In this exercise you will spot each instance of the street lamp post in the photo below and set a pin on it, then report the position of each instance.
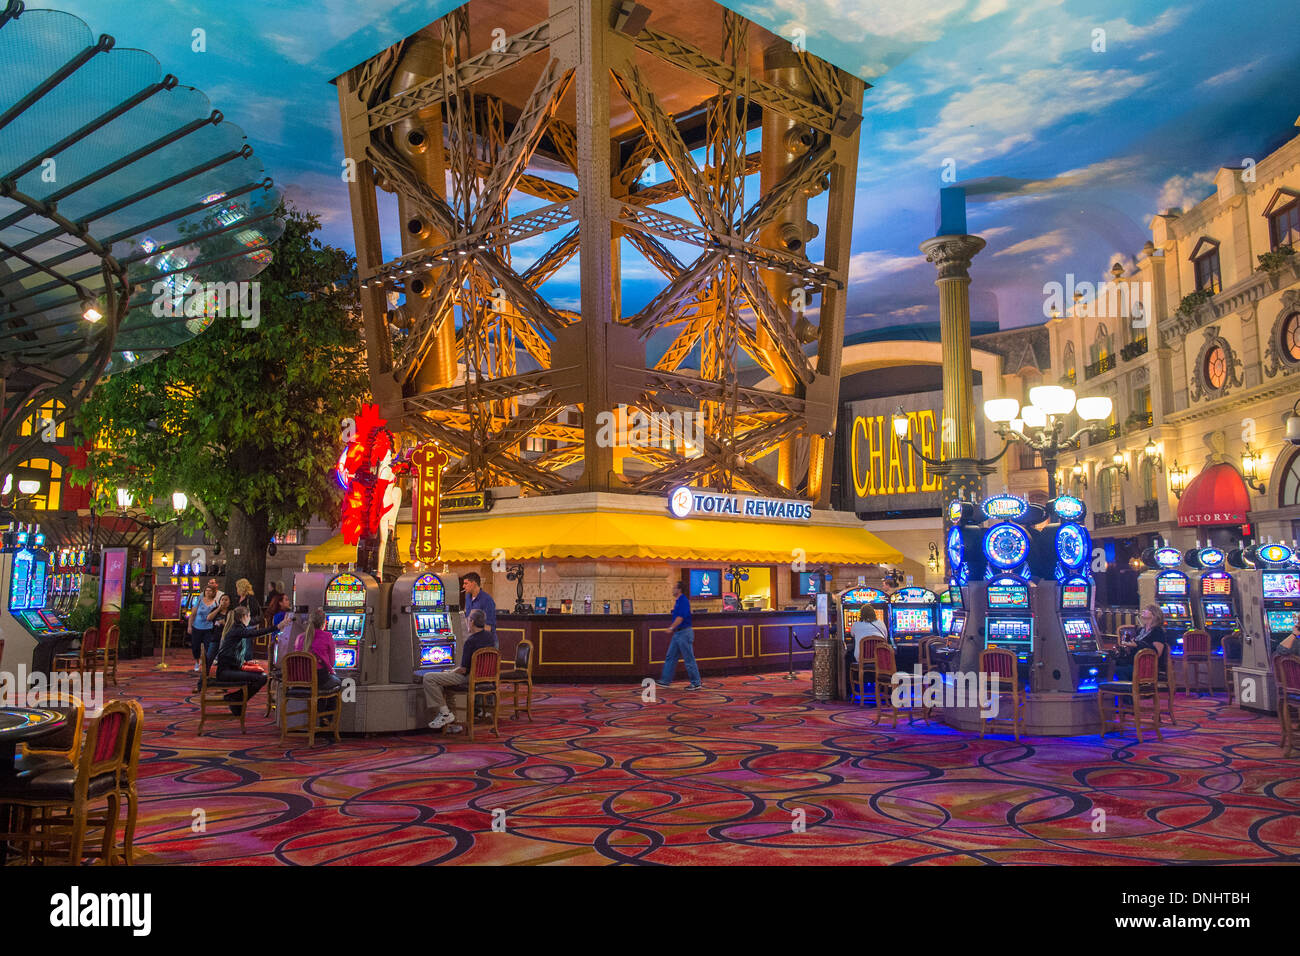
(151, 524)
(1040, 425)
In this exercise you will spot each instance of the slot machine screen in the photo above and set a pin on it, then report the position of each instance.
(1281, 584)
(1217, 610)
(945, 619)
(21, 581)
(434, 655)
(34, 620)
(912, 620)
(1171, 585)
(52, 620)
(1282, 620)
(958, 622)
(1217, 586)
(427, 591)
(346, 590)
(1074, 596)
(1077, 628)
(1008, 597)
(345, 657)
(431, 623)
(1174, 610)
(1012, 633)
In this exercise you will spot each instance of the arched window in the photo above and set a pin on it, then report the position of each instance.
(1150, 480)
(42, 418)
(1068, 363)
(50, 500)
(1102, 344)
(1110, 491)
(1290, 494)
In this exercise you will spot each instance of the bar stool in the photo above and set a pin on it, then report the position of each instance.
(1196, 653)
(1286, 670)
(865, 668)
(999, 661)
(1128, 697)
(885, 665)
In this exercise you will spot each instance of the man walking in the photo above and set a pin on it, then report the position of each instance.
(477, 598)
(434, 696)
(682, 644)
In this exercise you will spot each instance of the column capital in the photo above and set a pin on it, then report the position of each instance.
(951, 255)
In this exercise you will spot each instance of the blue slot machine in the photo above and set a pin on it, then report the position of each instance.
(952, 612)
(1172, 592)
(1008, 620)
(913, 615)
(431, 623)
(346, 618)
(31, 636)
(1008, 623)
(1217, 605)
(1270, 604)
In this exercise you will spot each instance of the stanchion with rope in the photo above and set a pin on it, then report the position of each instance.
(789, 656)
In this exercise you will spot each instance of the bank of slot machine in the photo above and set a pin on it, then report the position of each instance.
(346, 618)
(913, 615)
(853, 600)
(1270, 606)
(1169, 588)
(952, 613)
(1217, 607)
(27, 622)
(435, 642)
(1008, 624)
(1080, 636)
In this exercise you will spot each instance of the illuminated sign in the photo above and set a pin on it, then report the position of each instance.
(955, 511)
(1168, 557)
(685, 502)
(426, 473)
(1210, 557)
(1068, 508)
(1275, 553)
(469, 501)
(1005, 506)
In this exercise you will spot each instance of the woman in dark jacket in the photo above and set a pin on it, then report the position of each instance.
(230, 661)
(1150, 638)
(248, 600)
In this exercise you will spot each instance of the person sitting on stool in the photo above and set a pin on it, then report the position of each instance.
(230, 658)
(320, 643)
(1150, 638)
(479, 637)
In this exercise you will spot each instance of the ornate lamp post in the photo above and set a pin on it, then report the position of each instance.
(1040, 425)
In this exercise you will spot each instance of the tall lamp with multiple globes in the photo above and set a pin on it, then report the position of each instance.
(1040, 425)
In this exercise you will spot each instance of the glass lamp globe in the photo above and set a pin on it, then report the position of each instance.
(1094, 409)
(1052, 399)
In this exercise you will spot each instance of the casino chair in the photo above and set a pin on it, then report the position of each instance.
(299, 681)
(1122, 698)
(66, 795)
(864, 670)
(63, 745)
(1000, 661)
(928, 663)
(1169, 684)
(481, 691)
(1286, 671)
(1196, 651)
(84, 659)
(882, 683)
(212, 697)
(107, 654)
(521, 673)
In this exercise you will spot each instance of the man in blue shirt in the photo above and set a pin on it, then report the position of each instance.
(682, 644)
(476, 597)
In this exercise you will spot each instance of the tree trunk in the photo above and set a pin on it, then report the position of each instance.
(246, 540)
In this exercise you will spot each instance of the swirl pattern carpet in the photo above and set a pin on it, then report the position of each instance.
(749, 771)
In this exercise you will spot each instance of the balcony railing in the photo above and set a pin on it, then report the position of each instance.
(1134, 349)
(1104, 364)
(1147, 511)
(1108, 519)
(1101, 433)
(1135, 423)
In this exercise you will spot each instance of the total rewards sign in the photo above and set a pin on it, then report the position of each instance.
(685, 502)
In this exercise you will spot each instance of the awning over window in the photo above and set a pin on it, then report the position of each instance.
(525, 537)
(1217, 496)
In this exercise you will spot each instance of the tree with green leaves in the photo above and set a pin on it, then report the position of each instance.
(245, 418)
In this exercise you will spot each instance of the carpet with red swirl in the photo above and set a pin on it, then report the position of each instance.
(749, 771)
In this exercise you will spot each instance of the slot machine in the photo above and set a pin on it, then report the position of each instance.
(24, 567)
(1004, 597)
(952, 612)
(1165, 585)
(1075, 610)
(853, 600)
(423, 635)
(1216, 605)
(1270, 603)
(1008, 623)
(347, 617)
(913, 615)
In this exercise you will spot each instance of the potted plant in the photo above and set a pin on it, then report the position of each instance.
(1193, 301)
(1273, 260)
(133, 618)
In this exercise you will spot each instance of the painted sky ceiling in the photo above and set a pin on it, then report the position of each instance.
(1067, 149)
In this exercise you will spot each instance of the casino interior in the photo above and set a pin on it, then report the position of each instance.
(897, 621)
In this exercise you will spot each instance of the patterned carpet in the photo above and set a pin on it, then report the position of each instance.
(714, 777)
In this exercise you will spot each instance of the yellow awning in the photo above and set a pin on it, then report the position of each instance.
(526, 537)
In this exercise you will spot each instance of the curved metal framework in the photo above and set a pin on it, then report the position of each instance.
(496, 125)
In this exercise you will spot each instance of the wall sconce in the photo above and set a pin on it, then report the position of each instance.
(1080, 475)
(933, 563)
(1152, 454)
(1177, 479)
(1252, 463)
(1136, 564)
(1120, 462)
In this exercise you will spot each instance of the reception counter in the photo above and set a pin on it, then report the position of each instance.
(586, 647)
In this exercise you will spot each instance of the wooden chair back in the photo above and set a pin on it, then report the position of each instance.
(1286, 670)
(484, 665)
(108, 741)
(524, 656)
(867, 650)
(1146, 665)
(1196, 646)
(886, 665)
(298, 671)
(65, 743)
(1000, 661)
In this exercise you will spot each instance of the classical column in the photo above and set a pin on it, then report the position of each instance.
(952, 256)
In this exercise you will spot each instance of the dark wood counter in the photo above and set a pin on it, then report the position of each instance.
(632, 646)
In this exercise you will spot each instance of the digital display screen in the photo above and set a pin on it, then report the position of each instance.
(1217, 610)
(1282, 620)
(810, 582)
(427, 591)
(945, 620)
(1174, 610)
(860, 596)
(1077, 627)
(1013, 631)
(1281, 584)
(1219, 584)
(958, 622)
(346, 590)
(1015, 596)
(1074, 596)
(912, 620)
(704, 582)
(539, 605)
(345, 625)
(432, 655)
(53, 620)
(345, 657)
(33, 620)
(21, 582)
(431, 623)
(1171, 585)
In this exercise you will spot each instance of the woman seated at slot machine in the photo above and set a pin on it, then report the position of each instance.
(1150, 637)
(319, 642)
(230, 661)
